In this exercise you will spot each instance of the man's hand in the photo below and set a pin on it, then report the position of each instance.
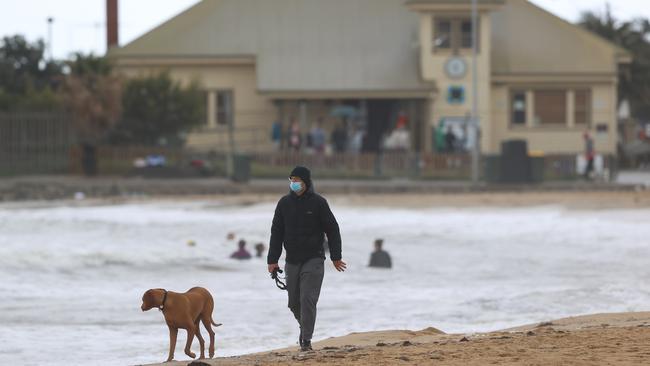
(273, 267)
(340, 265)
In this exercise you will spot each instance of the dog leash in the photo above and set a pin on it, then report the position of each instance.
(278, 281)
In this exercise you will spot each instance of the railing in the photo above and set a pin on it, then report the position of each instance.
(34, 143)
(365, 165)
(58, 158)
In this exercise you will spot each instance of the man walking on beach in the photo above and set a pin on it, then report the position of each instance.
(301, 219)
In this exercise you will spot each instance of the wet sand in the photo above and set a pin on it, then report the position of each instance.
(602, 339)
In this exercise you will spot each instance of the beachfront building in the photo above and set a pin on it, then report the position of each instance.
(369, 66)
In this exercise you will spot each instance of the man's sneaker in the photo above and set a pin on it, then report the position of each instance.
(305, 346)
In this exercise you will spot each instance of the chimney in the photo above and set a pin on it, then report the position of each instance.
(111, 24)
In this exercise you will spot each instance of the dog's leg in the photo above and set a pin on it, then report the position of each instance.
(207, 320)
(173, 332)
(190, 337)
(200, 338)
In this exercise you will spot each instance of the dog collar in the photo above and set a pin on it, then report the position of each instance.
(162, 306)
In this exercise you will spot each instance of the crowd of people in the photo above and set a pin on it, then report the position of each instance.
(344, 136)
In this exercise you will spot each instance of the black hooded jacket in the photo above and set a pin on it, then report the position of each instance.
(299, 223)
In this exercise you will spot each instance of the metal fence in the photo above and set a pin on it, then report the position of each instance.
(365, 165)
(121, 161)
(44, 143)
(35, 143)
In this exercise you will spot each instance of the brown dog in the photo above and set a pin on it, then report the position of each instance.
(184, 311)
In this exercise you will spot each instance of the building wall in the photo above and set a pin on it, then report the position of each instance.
(534, 49)
(511, 53)
(433, 69)
(566, 139)
(253, 113)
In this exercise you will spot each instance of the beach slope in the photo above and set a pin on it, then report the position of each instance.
(601, 339)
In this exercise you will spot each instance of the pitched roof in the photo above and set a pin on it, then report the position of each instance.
(299, 45)
(362, 45)
(527, 39)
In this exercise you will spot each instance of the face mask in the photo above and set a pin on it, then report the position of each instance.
(295, 186)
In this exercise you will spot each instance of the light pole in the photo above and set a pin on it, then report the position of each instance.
(50, 21)
(475, 117)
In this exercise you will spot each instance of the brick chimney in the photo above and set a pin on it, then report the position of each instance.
(112, 39)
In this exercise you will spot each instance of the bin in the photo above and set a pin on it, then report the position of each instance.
(492, 173)
(537, 169)
(241, 168)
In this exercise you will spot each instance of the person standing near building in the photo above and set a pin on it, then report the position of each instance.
(339, 138)
(450, 140)
(589, 155)
(302, 218)
(276, 135)
(318, 138)
(295, 136)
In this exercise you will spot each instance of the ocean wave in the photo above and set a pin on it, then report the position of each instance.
(36, 261)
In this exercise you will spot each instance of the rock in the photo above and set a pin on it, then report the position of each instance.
(198, 363)
(406, 344)
(530, 333)
(381, 344)
(404, 358)
(464, 339)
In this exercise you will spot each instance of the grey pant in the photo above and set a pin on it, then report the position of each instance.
(303, 286)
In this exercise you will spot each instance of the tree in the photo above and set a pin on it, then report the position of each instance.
(27, 80)
(158, 111)
(634, 36)
(92, 95)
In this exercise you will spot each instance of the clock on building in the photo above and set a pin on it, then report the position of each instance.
(456, 67)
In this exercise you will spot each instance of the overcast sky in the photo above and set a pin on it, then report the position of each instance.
(79, 25)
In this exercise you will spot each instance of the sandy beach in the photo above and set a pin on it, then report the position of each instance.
(601, 339)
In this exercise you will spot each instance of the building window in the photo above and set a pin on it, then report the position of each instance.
(442, 37)
(452, 34)
(518, 107)
(224, 104)
(550, 107)
(466, 34)
(582, 108)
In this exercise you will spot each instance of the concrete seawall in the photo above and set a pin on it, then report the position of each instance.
(65, 187)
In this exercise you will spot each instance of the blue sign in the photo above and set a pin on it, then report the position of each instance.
(456, 95)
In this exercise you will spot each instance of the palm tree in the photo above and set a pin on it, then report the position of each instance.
(634, 36)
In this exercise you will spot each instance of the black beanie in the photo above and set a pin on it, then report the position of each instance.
(302, 173)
